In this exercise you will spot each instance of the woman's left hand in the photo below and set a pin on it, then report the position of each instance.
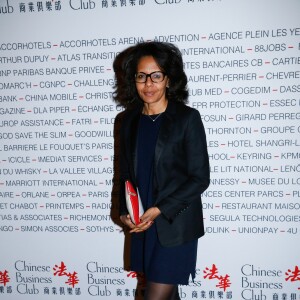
(147, 219)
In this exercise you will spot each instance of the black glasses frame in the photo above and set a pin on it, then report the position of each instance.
(149, 75)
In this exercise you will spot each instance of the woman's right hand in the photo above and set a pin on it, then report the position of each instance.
(126, 220)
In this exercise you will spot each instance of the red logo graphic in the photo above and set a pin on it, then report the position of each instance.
(61, 270)
(293, 275)
(4, 278)
(139, 276)
(224, 281)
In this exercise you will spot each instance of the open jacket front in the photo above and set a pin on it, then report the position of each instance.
(181, 171)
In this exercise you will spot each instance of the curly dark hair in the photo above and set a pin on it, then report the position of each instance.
(169, 59)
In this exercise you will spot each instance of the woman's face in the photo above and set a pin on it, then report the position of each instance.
(151, 92)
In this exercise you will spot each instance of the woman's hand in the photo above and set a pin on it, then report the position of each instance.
(147, 220)
(126, 220)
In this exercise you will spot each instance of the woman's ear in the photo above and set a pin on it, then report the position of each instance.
(167, 85)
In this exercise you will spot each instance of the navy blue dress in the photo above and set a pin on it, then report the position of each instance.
(169, 265)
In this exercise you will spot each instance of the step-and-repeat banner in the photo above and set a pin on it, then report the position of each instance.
(59, 231)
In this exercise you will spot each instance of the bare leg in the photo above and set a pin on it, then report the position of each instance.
(161, 291)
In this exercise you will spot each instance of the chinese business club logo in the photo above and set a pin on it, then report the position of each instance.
(140, 278)
(40, 6)
(38, 282)
(4, 280)
(61, 271)
(293, 275)
(4, 277)
(213, 273)
(31, 6)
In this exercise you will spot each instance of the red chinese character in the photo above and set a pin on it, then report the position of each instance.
(140, 276)
(224, 282)
(211, 273)
(72, 279)
(132, 274)
(295, 274)
(60, 270)
(4, 278)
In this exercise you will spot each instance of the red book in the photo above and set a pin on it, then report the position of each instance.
(133, 202)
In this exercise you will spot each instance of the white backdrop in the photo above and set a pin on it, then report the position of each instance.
(58, 227)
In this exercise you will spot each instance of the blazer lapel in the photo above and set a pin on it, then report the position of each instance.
(165, 131)
(133, 142)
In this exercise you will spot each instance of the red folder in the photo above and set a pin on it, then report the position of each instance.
(133, 202)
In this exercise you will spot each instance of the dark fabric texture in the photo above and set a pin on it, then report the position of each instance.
(169, 265)
(180, 171)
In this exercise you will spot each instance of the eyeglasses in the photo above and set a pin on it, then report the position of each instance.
(156, 77)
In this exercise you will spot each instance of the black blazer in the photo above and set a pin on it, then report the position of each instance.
(181, 171)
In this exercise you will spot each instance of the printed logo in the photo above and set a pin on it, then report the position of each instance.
(224, 281)
(293, 275)
(139, 276)
(61, 271)
(4, 278)
(39, 6)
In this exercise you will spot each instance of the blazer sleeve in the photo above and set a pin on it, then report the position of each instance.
(124, 171)
(196, 170)
(127, 154)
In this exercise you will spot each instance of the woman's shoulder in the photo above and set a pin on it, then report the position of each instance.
(128, 117)
(185, 110)
(131, 112)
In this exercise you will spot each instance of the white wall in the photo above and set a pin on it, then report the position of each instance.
(57, 147)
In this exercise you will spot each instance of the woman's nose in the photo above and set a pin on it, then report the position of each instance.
(148, 81)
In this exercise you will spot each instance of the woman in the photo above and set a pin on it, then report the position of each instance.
(163, 153)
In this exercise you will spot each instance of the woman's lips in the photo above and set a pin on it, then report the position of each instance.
(149, 94)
